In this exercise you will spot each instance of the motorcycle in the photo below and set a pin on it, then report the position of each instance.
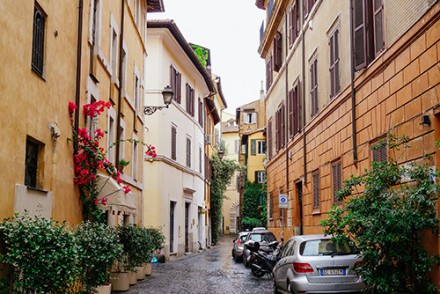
(263, 259)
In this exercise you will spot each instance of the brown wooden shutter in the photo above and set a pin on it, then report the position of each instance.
(378, 26)
(277, 53)
(269, 138)
(291, 107)
(297, 114)
(290, 26)
(314, 86)
(179, 88)
(337, 181)
(187, 95)
(173, 142)
(172, 80)
(283, 125)
(316, 197)
(188, 152)
(360, 34)
(337, 79)
(332, 66)
(277, 130)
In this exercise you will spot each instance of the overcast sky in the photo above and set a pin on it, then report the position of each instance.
(230, 29)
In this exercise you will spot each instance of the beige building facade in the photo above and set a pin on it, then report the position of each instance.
(80, 52)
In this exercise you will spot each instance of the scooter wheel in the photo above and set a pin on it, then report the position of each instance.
(257, 273)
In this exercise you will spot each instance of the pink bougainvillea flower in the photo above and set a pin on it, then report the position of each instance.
(104, 201)
(99, 134)
(72, 107)
(126, 189)
(96, 201)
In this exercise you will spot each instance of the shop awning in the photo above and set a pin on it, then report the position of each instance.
(117, 199)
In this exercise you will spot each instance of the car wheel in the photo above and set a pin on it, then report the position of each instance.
(289, 288)
(275, 288)
(233, 253)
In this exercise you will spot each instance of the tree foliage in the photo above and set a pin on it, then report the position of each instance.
(222, 172)
(253, 207)
(387, 221)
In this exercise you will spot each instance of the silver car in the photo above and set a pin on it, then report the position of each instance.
(237, 248)
(314, 264)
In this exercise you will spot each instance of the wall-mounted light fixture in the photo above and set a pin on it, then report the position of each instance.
(167, 94)
(426, 121)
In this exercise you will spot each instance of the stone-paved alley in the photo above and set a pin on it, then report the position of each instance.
(210, 272)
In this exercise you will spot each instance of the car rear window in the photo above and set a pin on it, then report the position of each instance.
(325, 247)
(267, 237)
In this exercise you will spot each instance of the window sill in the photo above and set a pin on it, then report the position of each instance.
(36, 189)
(316, 211)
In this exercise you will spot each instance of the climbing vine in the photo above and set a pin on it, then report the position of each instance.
(222, 172)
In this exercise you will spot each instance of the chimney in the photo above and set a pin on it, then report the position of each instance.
(262, 92)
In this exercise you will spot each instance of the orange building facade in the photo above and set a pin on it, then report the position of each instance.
(315, 142)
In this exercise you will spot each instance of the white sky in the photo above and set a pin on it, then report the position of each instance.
(231, 30)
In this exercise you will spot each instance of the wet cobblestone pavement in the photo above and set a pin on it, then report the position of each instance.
(210, 272)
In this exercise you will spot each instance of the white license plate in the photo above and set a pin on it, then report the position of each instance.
(333, 272)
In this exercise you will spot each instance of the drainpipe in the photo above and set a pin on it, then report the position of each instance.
(303, 93)
(286, 132)
(353, 91)
(78, 72)
(119, 103)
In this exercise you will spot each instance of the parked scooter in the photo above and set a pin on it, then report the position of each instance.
(262, 261)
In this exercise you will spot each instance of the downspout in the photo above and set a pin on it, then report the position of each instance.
(78, 72)
(119, 103)
(286, 132)
(303, 93)
(353, 91)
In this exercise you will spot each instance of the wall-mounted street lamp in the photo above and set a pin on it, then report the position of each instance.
(221, 153)
(167, 94)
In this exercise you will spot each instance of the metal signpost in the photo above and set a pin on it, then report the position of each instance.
(282, 203)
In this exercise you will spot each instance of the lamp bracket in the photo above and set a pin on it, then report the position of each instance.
(149, 110)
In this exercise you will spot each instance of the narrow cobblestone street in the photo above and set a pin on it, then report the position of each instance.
(212, 271)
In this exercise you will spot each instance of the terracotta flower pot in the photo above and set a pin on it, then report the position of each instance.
(140, 272)
(120, 281)
(148, 269)
(104, 289)
(132, 278)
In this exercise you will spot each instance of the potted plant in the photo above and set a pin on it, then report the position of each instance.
(42, 254)
(123, 163)
(131, 238)
(157, 241)
(98, 248)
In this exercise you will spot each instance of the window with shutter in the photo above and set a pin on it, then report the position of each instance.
(179, 88)
(269, 73)
(253, 147)
(270, 206)
(277, 130)
(188, 152)
(378, 26)
(379, 151)
(293, 23)
(269, 138)
(261, 147)
(173, 142)
(367, 30)
(282, 126)
(337, 181)
(316, 196)
(290, 107)
(297, 114)
(334, 63)
(314, 86)
(277, 52)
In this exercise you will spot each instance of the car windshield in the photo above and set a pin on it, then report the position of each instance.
(325, 247)
(262, 237)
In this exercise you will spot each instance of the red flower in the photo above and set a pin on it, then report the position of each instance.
(72, 107)
(104, 201)
(126, 189)
(96, 201)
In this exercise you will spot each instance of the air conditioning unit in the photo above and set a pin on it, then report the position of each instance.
(208, 139)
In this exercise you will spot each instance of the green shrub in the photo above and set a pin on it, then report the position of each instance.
(42, 254)
(387, 222)
(98, 247)
(250, 223)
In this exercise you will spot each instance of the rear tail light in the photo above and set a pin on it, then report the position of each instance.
(238, 241)
(357, 264)
(302, 267)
